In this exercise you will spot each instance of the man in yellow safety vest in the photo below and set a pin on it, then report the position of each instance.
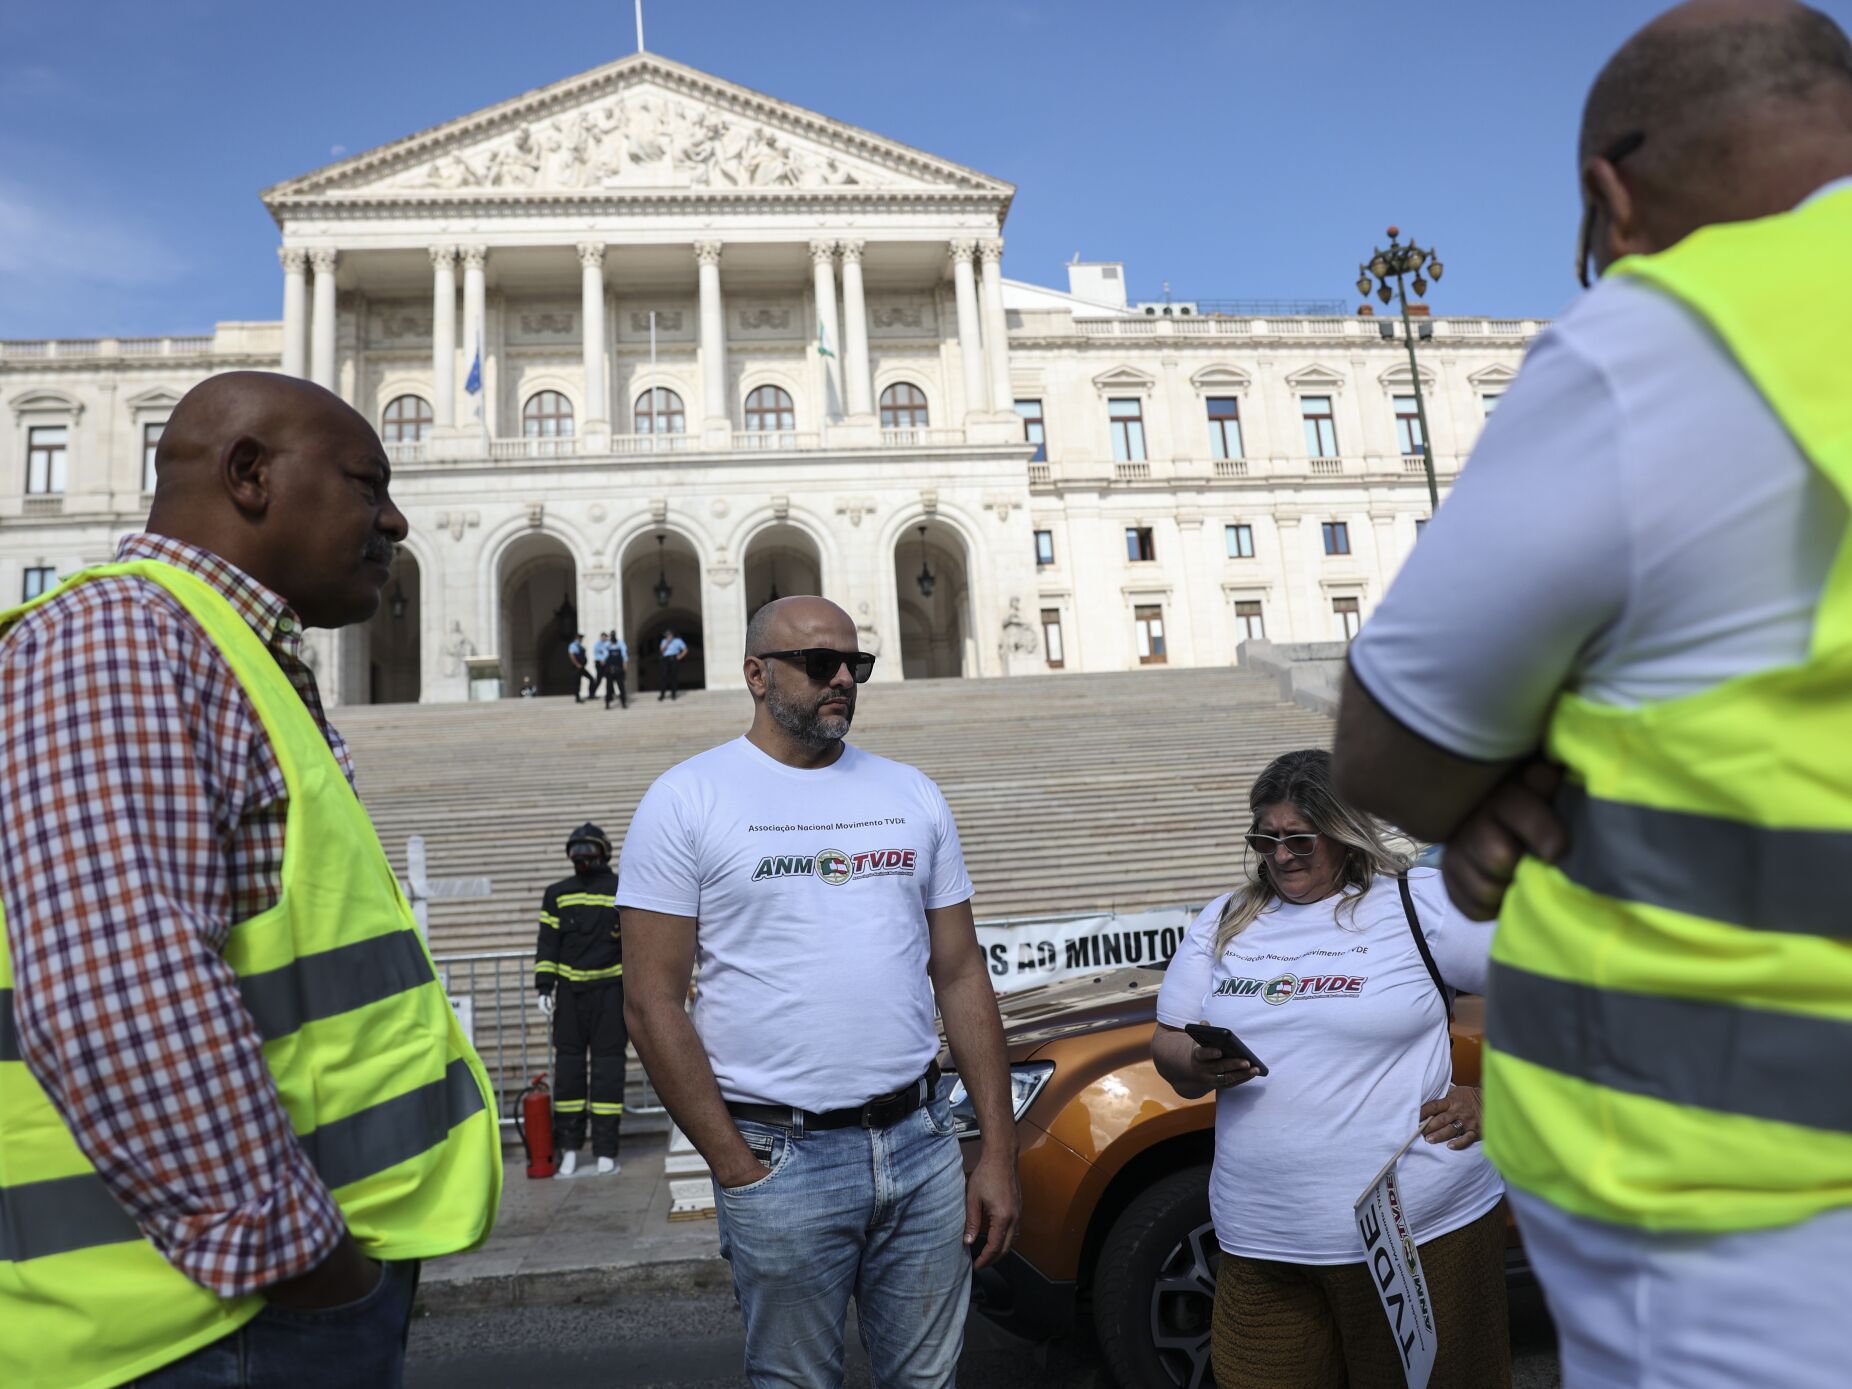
(1616, 677)
(236, 1109)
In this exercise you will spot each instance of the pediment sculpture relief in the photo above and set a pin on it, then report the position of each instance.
(648, 142)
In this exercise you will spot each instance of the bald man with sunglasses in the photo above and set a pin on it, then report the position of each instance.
(824, 892)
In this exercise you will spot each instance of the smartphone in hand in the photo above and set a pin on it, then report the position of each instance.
(1224, 1041)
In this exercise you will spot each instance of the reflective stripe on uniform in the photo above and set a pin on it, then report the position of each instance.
(586, 899)
(38, 1219)
(1708, 866)
(333, 982)
(569, 1106)
(586, 976)
(545, 967)
(1788, 1067)
(548, 919)
(602, 1107)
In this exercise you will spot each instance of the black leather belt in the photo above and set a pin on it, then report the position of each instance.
(883, 1111)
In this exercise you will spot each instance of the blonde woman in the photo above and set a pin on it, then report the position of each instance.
(1337, 980)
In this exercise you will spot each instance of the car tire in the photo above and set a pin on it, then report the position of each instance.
(1154, 1286)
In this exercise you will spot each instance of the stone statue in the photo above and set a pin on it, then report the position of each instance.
(565, 144)
(865, 633)
(1018, 636)
(517, 164)
(459, 649)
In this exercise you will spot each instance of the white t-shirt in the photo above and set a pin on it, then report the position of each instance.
(1635, 525)
(1347, 1018)
(811, 889)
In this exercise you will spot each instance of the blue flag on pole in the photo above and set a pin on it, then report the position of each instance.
(474, 383)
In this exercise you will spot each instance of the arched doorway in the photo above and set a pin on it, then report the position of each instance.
(933, 580)
(394, 673)
(781, 562)
(539, 588)
(662, 590)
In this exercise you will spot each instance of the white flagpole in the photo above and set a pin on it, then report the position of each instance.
(639, 26)
(652, 318)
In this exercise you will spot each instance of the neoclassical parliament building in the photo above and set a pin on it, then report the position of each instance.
(647, 348)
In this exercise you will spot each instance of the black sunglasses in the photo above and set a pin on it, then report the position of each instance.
(1613, 154)
(822, 662)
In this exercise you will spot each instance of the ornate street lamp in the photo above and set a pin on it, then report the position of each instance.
(396, 604)
(925, 579)
(663, 592)
(1399, 261)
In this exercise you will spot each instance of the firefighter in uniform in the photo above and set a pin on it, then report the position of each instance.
(579, 971)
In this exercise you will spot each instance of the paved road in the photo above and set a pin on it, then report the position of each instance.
(693, 1342)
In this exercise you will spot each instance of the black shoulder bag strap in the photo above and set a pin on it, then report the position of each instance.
(1421, 944)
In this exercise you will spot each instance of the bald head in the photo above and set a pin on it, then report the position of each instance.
(286, 481)
(790, 624)
(1741, 108)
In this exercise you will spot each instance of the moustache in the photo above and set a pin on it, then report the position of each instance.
(377, 554)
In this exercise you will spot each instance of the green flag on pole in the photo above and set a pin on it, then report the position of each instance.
(823, 347)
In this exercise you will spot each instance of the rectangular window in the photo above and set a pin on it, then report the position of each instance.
(1248, 619)
(1138, 546)
(1421, 524)
(1128, 430)
(1408, 436)
(37, 581)
(1337, 538)
(1224, 427)
(45, 446)
(1033, 429)
(1149, 623)
(1240, 539)
(1051, 638)
(1044, 547)
(1347, 615)
(150, 440)
(1321, 426)
(1488, 402)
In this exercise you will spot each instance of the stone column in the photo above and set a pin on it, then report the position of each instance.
(475, 259)
(855, 332)
(295, 309)
(443, 336)
(591, 310)
(715, 408)
(964, 284)
(823, 278)
(996, 324)
(321, 323)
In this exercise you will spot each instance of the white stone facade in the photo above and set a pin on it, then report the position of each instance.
(646, 228)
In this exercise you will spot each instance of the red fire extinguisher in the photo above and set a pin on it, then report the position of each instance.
(533, 1120)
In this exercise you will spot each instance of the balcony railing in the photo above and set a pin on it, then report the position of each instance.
(1300, 327)
(106, 347)
(922, 436)
(406, 451)
(776, 440)
(1131, 472)
(1041, 474)
(1327, 467)
(1231, 467)
(567, 447)
(655, 443)
(1411, 463)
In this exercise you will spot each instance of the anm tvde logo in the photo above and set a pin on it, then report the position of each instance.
(1280, 988)
(833, 867)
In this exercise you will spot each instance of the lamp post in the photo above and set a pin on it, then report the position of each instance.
(663, 591)
(925, 579)
(1400, 261)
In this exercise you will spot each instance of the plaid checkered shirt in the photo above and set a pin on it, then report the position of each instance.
(141, 814)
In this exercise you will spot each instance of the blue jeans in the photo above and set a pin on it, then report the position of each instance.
(877, 1214)
(361, 1344)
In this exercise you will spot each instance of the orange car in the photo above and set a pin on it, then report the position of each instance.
(1115, 1179)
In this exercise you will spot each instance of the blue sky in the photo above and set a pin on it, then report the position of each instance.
(1236, 148)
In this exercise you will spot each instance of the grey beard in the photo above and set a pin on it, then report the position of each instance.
(802, 721)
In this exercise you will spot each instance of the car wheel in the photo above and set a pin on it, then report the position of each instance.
(1154, 1288)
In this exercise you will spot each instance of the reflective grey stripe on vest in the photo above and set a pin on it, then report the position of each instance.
(1789, 1067)
(332, 982)
(38, 1219)
(1709, 866)
(309, 988)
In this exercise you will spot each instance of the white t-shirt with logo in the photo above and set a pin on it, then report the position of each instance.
(811, 889)
(1352, 1030)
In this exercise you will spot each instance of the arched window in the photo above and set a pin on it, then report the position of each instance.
(769, 408)
(407, 420)
(659, 411)
(547, 415)
(903, 406)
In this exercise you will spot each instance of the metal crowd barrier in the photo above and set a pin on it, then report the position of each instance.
(493, 993)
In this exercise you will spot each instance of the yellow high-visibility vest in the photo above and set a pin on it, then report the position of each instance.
(383, 1090)
(1670, 1009)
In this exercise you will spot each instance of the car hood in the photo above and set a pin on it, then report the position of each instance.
(1093, 1003)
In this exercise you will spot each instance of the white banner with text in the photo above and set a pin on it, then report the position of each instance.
(1022, 954)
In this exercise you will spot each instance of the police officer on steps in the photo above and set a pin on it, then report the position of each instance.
(579, 971)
